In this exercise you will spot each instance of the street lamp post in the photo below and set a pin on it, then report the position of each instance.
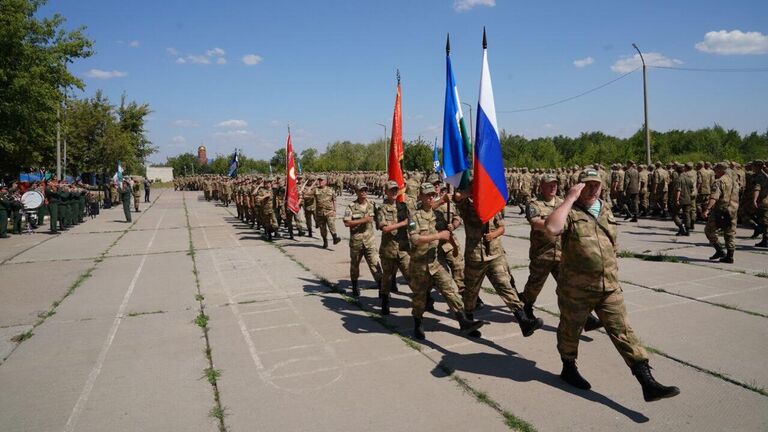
(386, 149)
(471, 131)
(645, 109)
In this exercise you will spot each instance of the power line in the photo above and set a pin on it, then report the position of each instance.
(570, 98)
(759, 69)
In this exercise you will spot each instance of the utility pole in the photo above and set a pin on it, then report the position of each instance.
(645, 109)
(64, 120)
(386, 147)
(58, 142)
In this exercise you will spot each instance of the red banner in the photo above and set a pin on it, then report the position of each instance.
(394, 171)
(291, 190)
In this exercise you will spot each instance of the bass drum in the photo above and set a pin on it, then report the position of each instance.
(32, 200)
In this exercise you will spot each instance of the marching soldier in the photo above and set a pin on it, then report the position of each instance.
(589, 281)
(125, 195)
(325, 208)
(308, 198)
(721, 213)
(359, 218)
(136, 189)
(681, 202)
(5, 207)
(425, 270)
(484, 255)
(760, 200)
(392, 220)
(631, 189)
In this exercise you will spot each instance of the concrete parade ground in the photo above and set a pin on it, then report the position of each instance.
(186, 320)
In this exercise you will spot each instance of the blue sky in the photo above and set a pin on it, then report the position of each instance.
(234, 73)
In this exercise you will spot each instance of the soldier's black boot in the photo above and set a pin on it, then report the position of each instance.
(336, 239)
(593, 323)
(325, 243)
(418, 328)
(763, 243)
(385, 304)
(718, 252)
(527, 324)
(467, 325)
(430, 307)
(301, 232)
(652, 390)
(479, 304)
(571, 375)
(528, 308)
(309, 231)
(474, 333)
(355, 289)
(728, 258)
(269, 235)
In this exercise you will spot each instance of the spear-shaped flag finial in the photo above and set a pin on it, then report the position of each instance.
(448, 44)
(398, 76)
(485, 41)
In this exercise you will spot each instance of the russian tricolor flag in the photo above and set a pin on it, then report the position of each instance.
(489, 186)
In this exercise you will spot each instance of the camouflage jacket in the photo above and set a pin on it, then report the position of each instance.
(543, 245)
(394, 241)
(589, 251)
(360, 233)
(476, 248)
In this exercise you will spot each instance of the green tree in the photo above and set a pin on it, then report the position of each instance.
(34, 53)
(308, 159)
(417, 155)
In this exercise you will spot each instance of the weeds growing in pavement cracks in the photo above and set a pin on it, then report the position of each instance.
(135, 314)
(512, 421)
(763, 274)
(79, 281)
(212, 375)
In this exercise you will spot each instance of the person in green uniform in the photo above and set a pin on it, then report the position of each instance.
(359, 218)
(16, 207)
(54, 198)
(5, 207)
(125, 196)
(589, 280)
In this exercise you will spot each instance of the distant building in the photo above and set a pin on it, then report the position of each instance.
(202, 157)
(163, 174)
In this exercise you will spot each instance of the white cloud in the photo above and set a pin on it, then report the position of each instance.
(178, 141)
(180, 60)
(185, 123)
(251, 59)
(221, 60)
(102, 74)
(465, 5)
(583, 62)
(216, 52)
(629, 63)
(733, 42)
(133, 44)
(274, 123)
(549, 126)
(198, 59)
(172, 51)
(233, 124)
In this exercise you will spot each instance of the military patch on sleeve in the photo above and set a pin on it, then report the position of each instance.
(531, 211)
(411, 225)
(348, 213)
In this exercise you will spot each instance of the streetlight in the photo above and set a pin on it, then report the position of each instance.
(645, 108)
(471, 131)
(386, 153)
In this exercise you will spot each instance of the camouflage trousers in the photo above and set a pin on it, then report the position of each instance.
(327, 224)
(310, 219)
(632, 204)
(681, 215)
(523, 198)
(661, 201)
(455, 266)
(497, 271)
(294, 220)
(538, 271)
(364, 249)
(423, 275)
(268, 219)
(644, 204)
(576, 304)
(389, 267)
(729, 233)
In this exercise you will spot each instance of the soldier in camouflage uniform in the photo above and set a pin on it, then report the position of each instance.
(325, 211)
(308, 202)
(359, 218)
(546, 250)
(392, 220)
(266, 209)
(448, 250)
(681, 202)
(759, 200)
(484, 255)
(723, 205)
(425, 270)
(589, 281)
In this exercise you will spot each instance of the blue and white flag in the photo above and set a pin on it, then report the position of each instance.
(118, 177)
(456, 143)
(436, 160)
(233, 164)
(298, 164)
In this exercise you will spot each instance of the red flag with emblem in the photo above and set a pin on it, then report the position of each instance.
(291, 190)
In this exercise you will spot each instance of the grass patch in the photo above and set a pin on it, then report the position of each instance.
(626, 254)
(512, 421)
(201, 320)
(212, 375)
(763, 274)
(199, 297)
(218, 413)
(22, 336)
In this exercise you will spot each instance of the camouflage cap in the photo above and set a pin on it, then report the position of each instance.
(322, 177)
(700, 163)
(361, 186)
(427, 188)
(548, 178)
(758, 162)
(434, 178)
(589, 175)
(392, 185)
(722, 165)
(269, 179)
(689, 164)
